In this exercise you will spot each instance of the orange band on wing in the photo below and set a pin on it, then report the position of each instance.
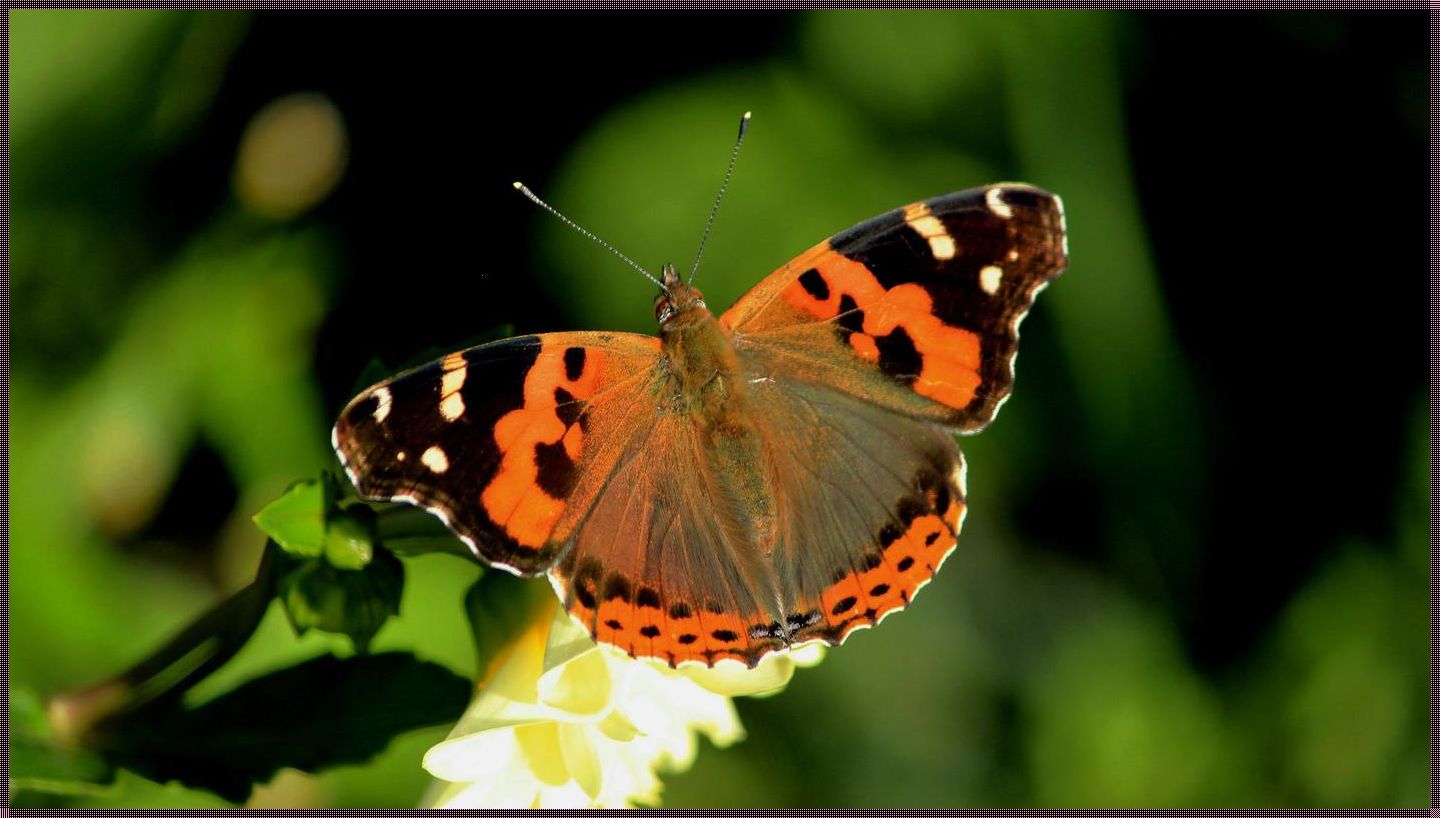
(514, 498)
(949, 370)
(672, 631)
(909, 562)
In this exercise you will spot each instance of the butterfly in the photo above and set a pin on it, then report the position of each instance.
(738, 485)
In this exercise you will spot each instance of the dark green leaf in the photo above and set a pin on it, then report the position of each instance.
(317, 714)
(316, 594)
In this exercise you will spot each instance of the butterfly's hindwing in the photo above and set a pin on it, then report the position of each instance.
(928, 297)
(872, 502)
(653, 569)
(495, 440)
(870, 506)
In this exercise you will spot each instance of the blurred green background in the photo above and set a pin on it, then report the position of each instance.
(1194, 571)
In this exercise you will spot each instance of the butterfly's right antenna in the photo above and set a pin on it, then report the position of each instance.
(582, 231)
(715, 208)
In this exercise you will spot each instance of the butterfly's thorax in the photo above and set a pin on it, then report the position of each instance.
(710, 385)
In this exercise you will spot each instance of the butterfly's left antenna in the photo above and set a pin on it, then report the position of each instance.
(715, 208)
(582, 231)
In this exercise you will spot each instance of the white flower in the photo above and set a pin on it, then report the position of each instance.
(563, 722)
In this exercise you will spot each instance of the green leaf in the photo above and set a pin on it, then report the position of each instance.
(350, 538)
(311, 716)
(296, 519)
(39, 764)
(317, 594)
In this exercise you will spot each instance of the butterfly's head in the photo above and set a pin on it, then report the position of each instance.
(678, 304)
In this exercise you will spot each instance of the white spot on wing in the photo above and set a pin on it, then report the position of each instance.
(452, 380)
(997, 204)
(435, 460)
(453, 406)
(919, 217)
(990, 276)
(382, 406)
(942, 247)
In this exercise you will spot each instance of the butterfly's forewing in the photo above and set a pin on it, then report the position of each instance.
(927, 298)
(507, 442)
(862, 353)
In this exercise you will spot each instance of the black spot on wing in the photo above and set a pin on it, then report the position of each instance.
(569, 410)
(555, 472)
(898, 356)
(889, 533)
(851, 317)
(616, 587)
(796, 621)
(574, 363)
(583, 593)
(815, 285)
(909, 507)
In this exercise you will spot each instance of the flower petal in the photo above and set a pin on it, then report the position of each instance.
(580, 758)
(563, 722)
(540, 745)
(580, 686)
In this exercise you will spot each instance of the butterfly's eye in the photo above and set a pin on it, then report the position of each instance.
(664, 310)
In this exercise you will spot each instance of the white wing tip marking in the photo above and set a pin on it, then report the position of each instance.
(382, 405)
(996, 202)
